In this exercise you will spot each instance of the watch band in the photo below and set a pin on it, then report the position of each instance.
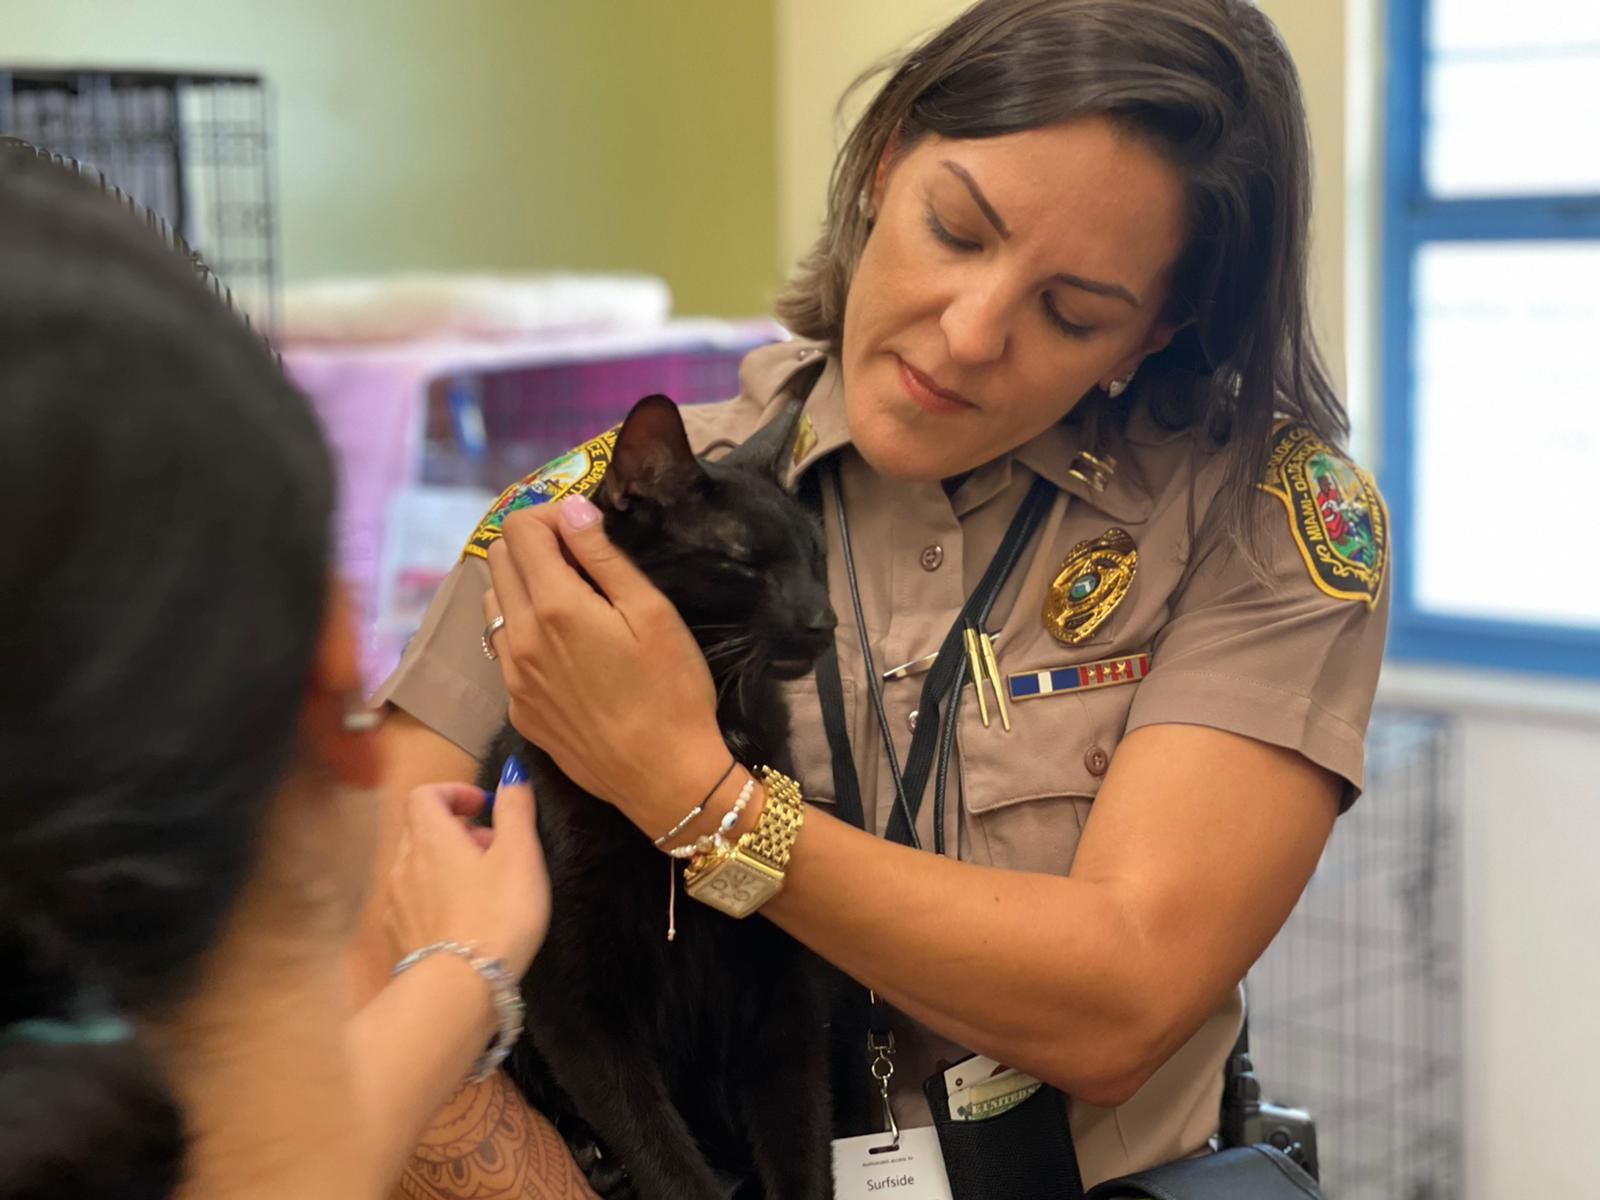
(739, 879)
(772, 840)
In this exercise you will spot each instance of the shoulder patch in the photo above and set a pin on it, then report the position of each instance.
(578, 471)
(1336, 515)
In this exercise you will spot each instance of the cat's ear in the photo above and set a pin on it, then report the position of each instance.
(767, 449)
(652, 459)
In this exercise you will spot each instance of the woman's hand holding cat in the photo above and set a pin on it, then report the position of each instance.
(455, 882)
(605, 678)
(411, 1044)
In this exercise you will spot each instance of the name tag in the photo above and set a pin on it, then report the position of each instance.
(914, 1171)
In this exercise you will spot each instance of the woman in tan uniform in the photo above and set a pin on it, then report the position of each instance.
(1066, 242)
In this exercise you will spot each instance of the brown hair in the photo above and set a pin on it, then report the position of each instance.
(1210, 84)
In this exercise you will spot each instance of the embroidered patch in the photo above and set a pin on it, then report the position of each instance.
(1336, 516)
(1108, 672)
(1093, 579)
(577, 471)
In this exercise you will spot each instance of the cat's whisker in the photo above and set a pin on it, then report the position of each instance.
(728, 648)
(747, 671)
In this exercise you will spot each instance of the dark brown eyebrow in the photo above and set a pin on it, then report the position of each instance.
(1115, 290)
(978, 197)
(1098, 288)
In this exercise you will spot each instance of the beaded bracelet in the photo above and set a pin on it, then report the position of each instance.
(508, 1006)
(717, 840)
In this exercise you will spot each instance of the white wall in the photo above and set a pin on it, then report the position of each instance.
(1532, 958)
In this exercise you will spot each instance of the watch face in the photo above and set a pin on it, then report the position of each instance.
(735, 886)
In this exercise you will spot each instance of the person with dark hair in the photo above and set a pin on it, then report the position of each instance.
(187, 814)
(1103, 673)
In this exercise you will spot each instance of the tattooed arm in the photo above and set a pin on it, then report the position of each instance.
(487, 1144)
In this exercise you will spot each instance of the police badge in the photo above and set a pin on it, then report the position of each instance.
(1093, 579)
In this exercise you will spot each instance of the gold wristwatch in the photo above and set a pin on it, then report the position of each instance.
(740, 878)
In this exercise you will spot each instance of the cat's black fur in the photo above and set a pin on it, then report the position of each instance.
(703, 1058)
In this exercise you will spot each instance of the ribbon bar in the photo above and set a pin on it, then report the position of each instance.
(1108, 672)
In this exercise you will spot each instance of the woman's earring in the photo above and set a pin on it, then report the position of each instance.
(864, 207)
(359, 717)
(1118, 386)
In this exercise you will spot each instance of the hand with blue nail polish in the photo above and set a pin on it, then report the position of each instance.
(470, 868)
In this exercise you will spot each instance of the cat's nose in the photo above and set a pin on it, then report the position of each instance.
(821, 624)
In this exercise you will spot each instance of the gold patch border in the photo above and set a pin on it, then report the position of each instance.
(599, 449)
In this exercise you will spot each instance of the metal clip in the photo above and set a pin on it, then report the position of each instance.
(880, 1049)
(918, 665)
(976, 660)
(986, 644)
(883, 1071)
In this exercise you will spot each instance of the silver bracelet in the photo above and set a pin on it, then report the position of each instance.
(666, 837)
(508, 1006)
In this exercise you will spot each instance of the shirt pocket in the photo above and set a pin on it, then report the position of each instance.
(1026, 794)
(808, 740)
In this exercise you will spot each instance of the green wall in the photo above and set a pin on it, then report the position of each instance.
(494, 134)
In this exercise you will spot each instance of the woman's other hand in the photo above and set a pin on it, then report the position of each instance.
(452, 881)
(610, 682)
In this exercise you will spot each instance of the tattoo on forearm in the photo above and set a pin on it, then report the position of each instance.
(486, 1144)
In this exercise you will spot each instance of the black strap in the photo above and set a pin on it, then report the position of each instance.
(846, 786)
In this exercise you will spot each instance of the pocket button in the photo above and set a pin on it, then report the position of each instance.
(1096, 761)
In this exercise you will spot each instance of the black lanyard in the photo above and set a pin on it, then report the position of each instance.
(935, 730)
(942, 686)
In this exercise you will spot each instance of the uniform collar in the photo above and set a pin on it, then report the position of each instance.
(823, 426)
(1052, 454)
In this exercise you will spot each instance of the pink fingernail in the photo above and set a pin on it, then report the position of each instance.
(578, 512)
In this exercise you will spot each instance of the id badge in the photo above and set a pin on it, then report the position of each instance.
(912, 1171)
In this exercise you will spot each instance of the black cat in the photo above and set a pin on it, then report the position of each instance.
(704, 1060)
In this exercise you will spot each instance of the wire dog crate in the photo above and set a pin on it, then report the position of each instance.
(1355, 1009)
(194, 148)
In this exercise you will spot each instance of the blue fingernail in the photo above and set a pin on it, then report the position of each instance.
(514, 772)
